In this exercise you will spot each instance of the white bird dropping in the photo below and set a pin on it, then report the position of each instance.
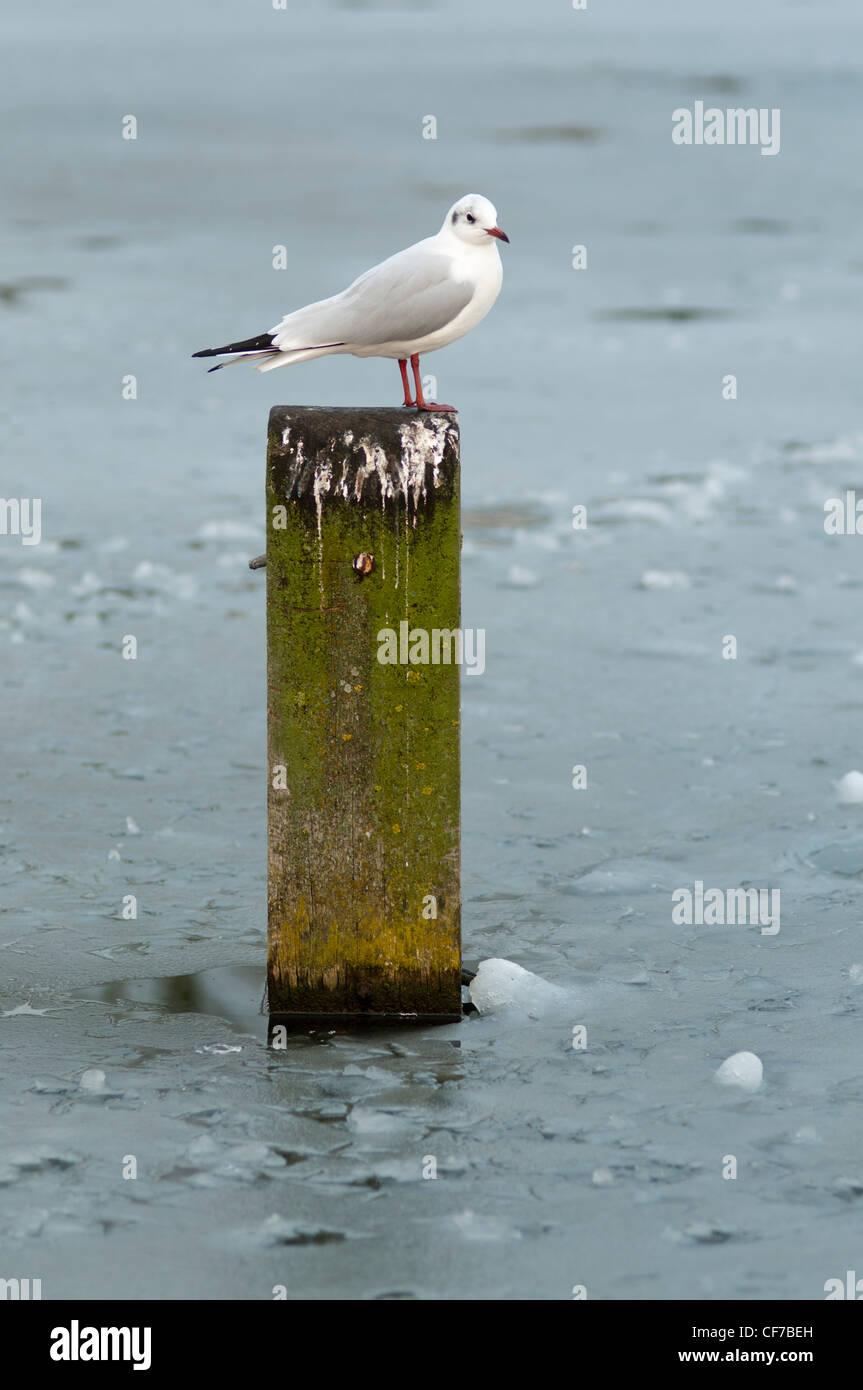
(849, 789)
(742, 1069)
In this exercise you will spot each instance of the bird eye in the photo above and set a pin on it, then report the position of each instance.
(470, 217)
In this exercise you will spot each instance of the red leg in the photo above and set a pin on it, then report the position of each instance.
(422, 403)
(403, 368)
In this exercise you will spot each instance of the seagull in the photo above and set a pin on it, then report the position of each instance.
(416, 301)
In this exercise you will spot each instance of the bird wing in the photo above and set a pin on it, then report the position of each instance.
(401, 300)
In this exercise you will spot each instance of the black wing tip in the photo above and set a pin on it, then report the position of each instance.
(259, 344)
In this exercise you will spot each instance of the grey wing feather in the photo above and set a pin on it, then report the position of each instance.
(400, 300)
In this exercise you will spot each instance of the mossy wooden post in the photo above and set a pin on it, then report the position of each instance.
(363, 535)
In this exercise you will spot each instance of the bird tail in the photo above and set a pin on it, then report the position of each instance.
(283, 357)
(262, 352)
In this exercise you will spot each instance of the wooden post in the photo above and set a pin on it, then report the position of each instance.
(363, 551)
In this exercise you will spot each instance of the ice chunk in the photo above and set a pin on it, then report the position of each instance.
(664, 579)
(475, 1226)
(849, 789)
(499, 983)
(520, 578)
(93, 1080)
(278, 1230)
(742, 1069)
(228, 530)
(369, 1123)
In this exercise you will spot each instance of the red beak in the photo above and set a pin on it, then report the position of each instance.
(496, 231)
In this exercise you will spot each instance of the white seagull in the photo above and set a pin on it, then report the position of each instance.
(420, 299)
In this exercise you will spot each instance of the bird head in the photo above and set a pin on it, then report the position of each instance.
(473, 219)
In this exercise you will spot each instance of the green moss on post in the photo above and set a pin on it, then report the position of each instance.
(363, 535)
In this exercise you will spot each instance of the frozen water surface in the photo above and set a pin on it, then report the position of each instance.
(510, 1156)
